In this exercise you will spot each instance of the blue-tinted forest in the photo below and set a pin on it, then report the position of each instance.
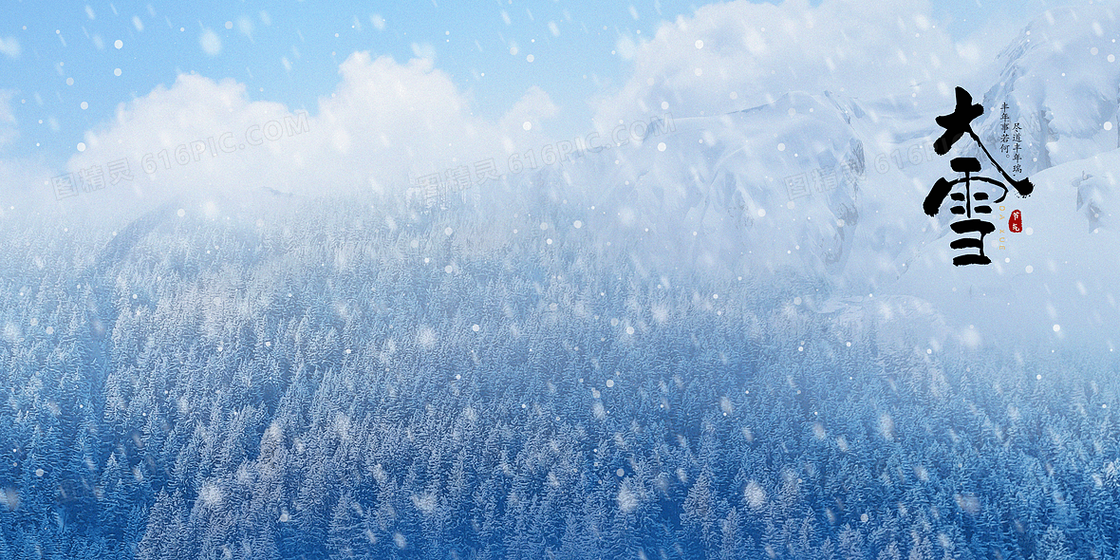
(342, 385)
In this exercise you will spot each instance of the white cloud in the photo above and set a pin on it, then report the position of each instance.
(626, 48)
(210, 42)
(10, 47)
(762, 51)
(534, 105)
(424, 50)
(179, 133)
(25, 182)
(8, 131)
(245, 26)
(384, 123)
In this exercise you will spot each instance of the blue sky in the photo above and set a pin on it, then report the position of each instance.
(290, 52)
(60, 60)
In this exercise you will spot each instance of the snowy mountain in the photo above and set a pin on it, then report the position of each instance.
(774, 187)
(824, 188)
(830, 188)
(732, 336)
(1061, 83)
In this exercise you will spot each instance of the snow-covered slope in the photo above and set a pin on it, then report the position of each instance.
(1061, 83)
(831, 188)
(1054, 280)
(774, 187)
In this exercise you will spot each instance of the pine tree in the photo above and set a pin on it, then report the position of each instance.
(1052, 545)
(348, 536)
(165, 529)
(699, 520)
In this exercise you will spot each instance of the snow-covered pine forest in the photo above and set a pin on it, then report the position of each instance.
(346, 386)
(728, 333)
